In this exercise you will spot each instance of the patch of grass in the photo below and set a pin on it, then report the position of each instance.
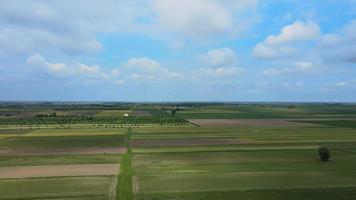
(58, 187)
(337, 123)
(58, 159)
(63, 141)
(124, 189)
(13, 131)
(78, 132)
(332, 193)
(244, 181)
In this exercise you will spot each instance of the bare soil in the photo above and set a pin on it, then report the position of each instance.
(54, 151)
(58, 170)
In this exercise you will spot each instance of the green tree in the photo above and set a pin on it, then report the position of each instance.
(173, 112)
(324, 153)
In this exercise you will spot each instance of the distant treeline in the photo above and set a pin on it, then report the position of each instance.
(62, 120)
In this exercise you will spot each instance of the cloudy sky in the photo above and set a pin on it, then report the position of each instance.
(178, 50)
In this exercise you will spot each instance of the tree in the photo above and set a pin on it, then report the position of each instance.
(324, 153)
(173, 112)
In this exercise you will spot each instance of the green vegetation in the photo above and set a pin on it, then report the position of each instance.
(63, 142)
(124, 189)
(324, 153)
(168, 158)
(58, 159)
(82, 188)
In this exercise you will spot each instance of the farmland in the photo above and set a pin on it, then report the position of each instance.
(203, 151)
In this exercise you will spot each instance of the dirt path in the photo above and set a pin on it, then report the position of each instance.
(58, 170)
(54, 151)
(246, 123)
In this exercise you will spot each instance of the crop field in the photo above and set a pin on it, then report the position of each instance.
(247, 152)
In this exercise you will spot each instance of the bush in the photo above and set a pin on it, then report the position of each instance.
(324, 153)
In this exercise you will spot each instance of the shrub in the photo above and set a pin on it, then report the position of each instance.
(324, 153)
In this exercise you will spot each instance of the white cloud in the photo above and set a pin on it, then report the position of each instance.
(346, 84)
(201, 18)
(219, 57)
(147, 68)
(298, 31)
(61, 25)
(67, 69)
(144, 64)
(191, 17)
(264, 51)
(120, 82)
(88, 69)
(141, 76)
(284, 44)
(340, 47)
(225, 71)
(294, 68)
(220, 62)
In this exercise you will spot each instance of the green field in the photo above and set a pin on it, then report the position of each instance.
(166, 157)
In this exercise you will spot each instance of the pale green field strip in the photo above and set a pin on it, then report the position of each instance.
(59, 159)
(58, 171)
(241, 161)
(243, 167)
(84, 188)
(244, 181)
(77, 132)
(219, 148)
(61, 151)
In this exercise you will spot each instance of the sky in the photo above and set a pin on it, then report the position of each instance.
(178, 50)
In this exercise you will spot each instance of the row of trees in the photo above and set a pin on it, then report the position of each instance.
(53, 120)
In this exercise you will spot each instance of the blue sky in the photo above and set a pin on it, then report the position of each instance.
(178, 50)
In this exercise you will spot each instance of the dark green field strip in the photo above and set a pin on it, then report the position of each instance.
(250, 112)
(63, 141)
(326, 193)
(59, 159)
(56, 188)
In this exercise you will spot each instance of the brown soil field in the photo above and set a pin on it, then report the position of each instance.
(186, 142)
(59, 170)
(53, 151)
(246, 123)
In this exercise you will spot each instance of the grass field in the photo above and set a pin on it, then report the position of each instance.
(57, 188)
(271, 156)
